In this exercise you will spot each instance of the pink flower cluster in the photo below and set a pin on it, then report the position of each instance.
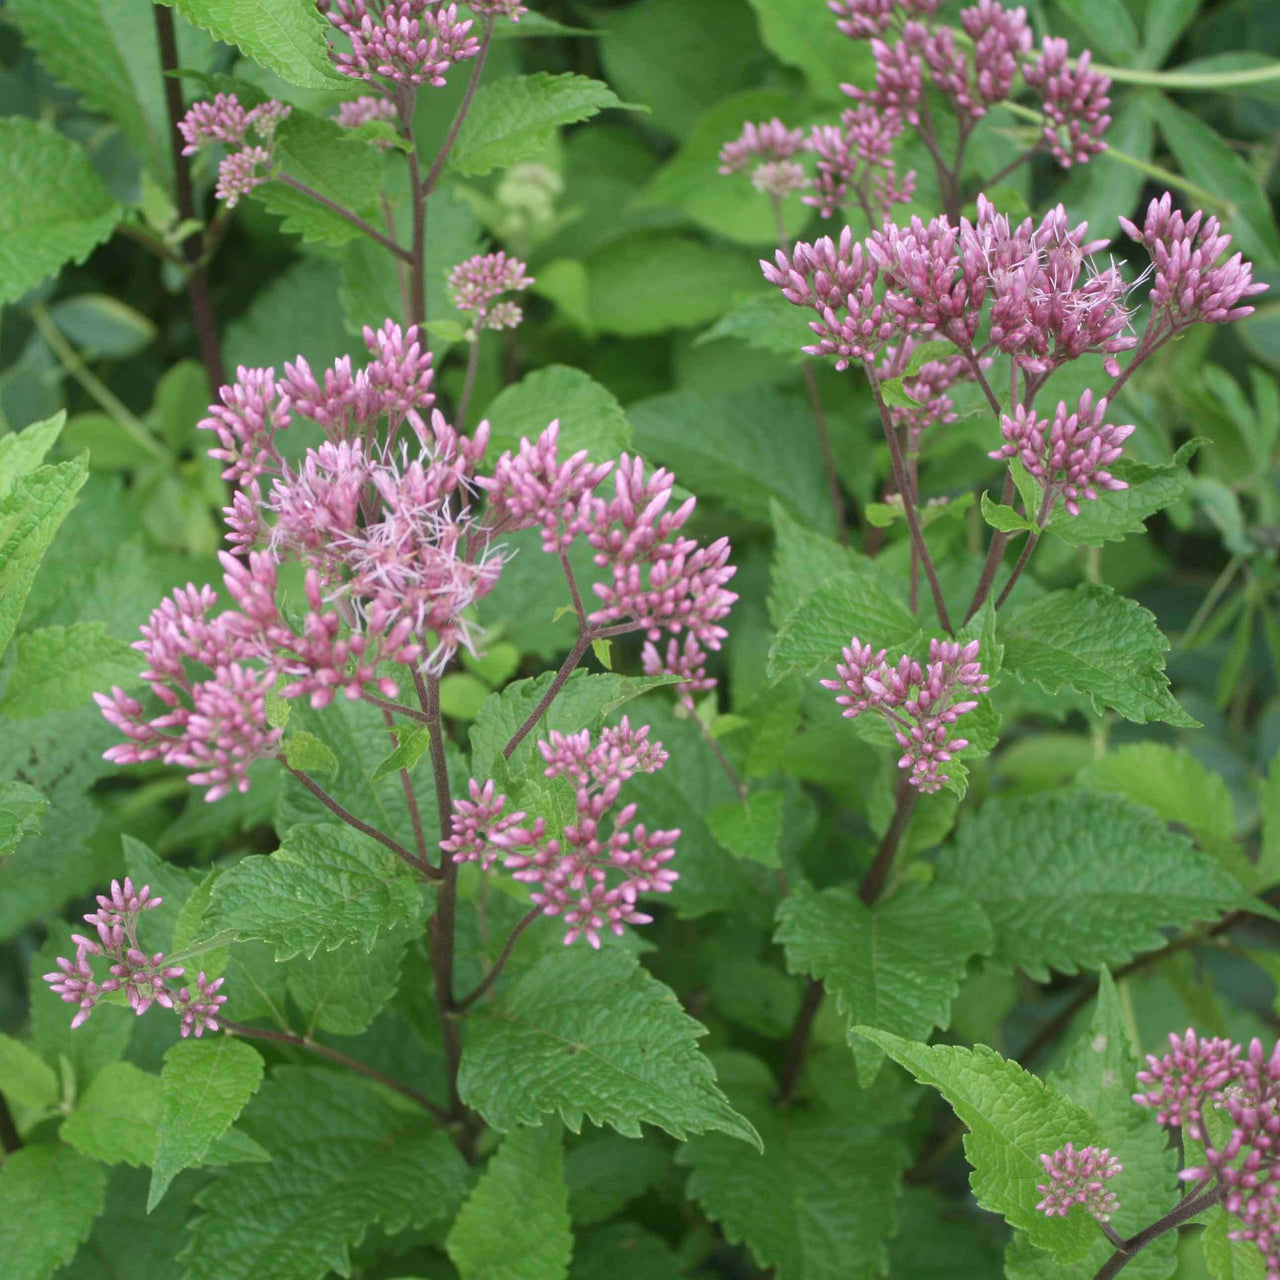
(367, 109)
(1067, 454)
(1074, 98)
(408, 42)
(1079, 1178)
(919, 703)
(145, 979)
(767, 150)
(593, 873)
(224, 120)
(854, 159)
(1243, 1088)
(476, 284)
(928, 388)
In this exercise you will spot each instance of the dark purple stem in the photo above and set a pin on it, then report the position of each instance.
(1186, 1209)
(995, 554)
(492, 976)
(354, 219)
(437, 167)
(576, 654)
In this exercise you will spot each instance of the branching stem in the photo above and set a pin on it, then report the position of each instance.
(492, 976)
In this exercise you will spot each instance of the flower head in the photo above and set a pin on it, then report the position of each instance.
(1079, 1178)
(1075, 101)
(408, 42)
(475, 285)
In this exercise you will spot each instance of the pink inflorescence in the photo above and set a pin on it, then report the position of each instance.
(408, 42)
(1079, 1178)
(928, 388)
(1067, 454)
(921, 704)
(1242, 1151)
(767, 150)
(223, 120)
(855, 162)
(511, 9)
(476, 284)
(367, 109)
(593, 873)
(1192, 284)
(1074, 99)
(145, 979)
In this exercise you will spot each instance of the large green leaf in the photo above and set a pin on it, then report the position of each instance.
(589, 414)
(21, 814)
(21, 452)
(59, 667)
(895, 965)
(593, 1034)
(49, 1197)
(766, 321)
(53, 206)
(345, 1159)
(25, 1077)
(1100, 644)
(805, 35)
(1074, 879)
(343, 990)
(488, 1241)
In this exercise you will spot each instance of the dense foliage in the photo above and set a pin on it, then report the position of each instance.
(639, 639)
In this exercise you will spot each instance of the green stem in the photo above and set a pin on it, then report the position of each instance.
(1192, 80)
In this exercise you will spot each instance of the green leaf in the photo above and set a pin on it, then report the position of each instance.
(1013, 1118)
(25, 1078)
(1230, 1259)
(1163, 23)
(53, 208)
(206, 1084)
(1115, 514)
(803, 561)
(545, 1048)
(1073, 879)
(1208, 160)
(29, 517)
(805, 36)
(650, 282)
(853, 604)
(170, 883)
(324, 156)
(766, 321)
(21, 814)
(818, 1204)
(411, 742)
(49, 1197)
(589, 414)
(115, 1118)
(1006, 519)
(1107, 25)
(345, 1159)
(1100, 1074)
(747, 447)
(1098, 643)
(285, 36)
(1269, 853)
(488, 1241)
(102, 326)
(750, 828)
(605, 1173)
(896, 965)
(598, 1251)
(513, 119)
(59, 667)
(304, 751)
(343, 990)
(326, 885)
(21, 452)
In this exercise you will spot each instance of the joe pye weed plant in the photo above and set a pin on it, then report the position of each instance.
(764, 829)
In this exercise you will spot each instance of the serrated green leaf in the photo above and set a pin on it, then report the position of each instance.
(1013, 1118)
(205, 1085)
(818, 1204)
(189, 931)
(170, 884)
(306, 752)
(1098, 643)
(766, 321)
(325, 886)
(53, 206)
(513, 119)
(59, 667)
(852, 604)
(49, 1197)
(750, 828)
(29, 517)
(598, 1250)
(21, 452)
(896, 965)
(411, 742)
(589, 414)
(1230, 1259)
(1006, 519)
(343, 990)
(1074, 879)
(803, 561)
(21, 814)
(545, 1049)
(285, 36)
(345, 1159)
(25, 1077)
(115, 1118)
(488, 1241)
(604, 1173)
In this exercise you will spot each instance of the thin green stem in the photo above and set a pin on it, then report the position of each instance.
(468, 385)
(1206, 81)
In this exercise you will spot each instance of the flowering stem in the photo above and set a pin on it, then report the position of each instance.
(418, 255)
(1042, 519)
(410, 800)
(477, 68)
(202, 314)
(334, 1055)
(1186, 1209)
(492, 976)
(574, 593)
(420, 864)
(468, 385)
(995, 554)
(717, 750)
(576, 654)
(908, 501)
(400, 708)
(356, 221)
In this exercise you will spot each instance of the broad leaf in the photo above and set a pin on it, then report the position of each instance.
(1109, 27)
(546, 1049)
(751, 828)
(1098, 643)
(1074, 879)
(343, 990)
(514, 118)
(326, 885)
(803, 561)
(896, 965)
(205, 1085)
(21, 452)
(345, 1159)
(49, 1197)
(53, 206)
(488, 1241)
(589, 414)
(412, 742)
(60, 667)
(25, 1077)
(605, 1173)
(766, 321)
(1013, 1118)
(21, 813)
(1228, 1259)
(804, 35)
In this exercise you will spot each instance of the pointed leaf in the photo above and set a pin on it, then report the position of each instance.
(49, 1197)
(60, 667)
